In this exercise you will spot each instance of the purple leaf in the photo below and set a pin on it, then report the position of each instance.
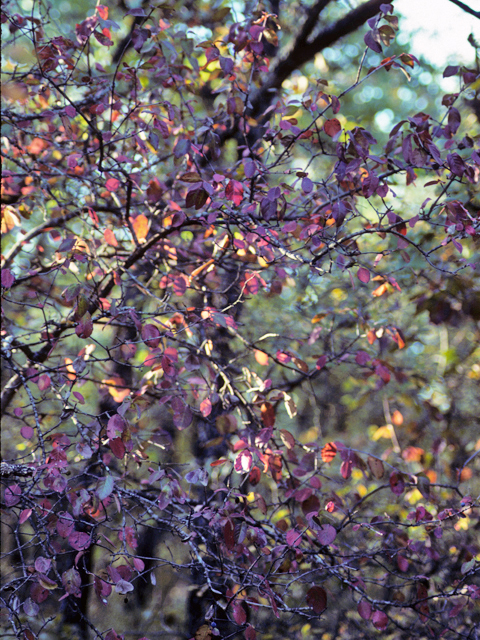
(371, 39)
(326, 534)
(363, 275)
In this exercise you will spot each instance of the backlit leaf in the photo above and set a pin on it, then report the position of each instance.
(141, 226)
(329, 451)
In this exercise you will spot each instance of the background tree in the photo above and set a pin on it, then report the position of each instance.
(240, 325)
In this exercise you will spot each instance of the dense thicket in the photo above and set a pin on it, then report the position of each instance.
(240, 325)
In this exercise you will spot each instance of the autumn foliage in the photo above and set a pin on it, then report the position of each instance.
(225, 410)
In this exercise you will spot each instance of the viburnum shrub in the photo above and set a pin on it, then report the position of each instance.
(240, 326)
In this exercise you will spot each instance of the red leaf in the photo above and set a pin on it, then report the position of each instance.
(118, 448)
(180, 284)
(332, 127)
(116, 425)
(25, 515)
(397, 485)
(250, 633)
(112, 184)
(402, 563)
(139, 564)
(364, 609)
(182, 417)
(346, 469)
(239, 613)
(254, 476)
(102, 589)
(79, 397)
(380, 620)
(229, 535)
(234, 192)
(268, 414)
(363, 275)
(151, 335)
(206, 407)
(317, 599)
(84, 328)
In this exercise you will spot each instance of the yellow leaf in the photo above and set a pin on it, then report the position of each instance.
(47, 583)
(382, 432)
(10, 219)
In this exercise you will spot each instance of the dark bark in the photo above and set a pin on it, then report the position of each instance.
(304, 49)
(466, 8)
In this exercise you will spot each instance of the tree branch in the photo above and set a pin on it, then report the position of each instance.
(303, 50)
(466, 8)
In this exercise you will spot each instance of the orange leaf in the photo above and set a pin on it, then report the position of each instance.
(379, 291)
(118, 393)
(102, 11)
(110, 238)
(329, 451)
(217, 463)
(141, 226)
(397, 418)
(71, 375)
(199, 269)
(261, 357)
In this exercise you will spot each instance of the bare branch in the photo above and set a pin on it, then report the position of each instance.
(466, 8)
